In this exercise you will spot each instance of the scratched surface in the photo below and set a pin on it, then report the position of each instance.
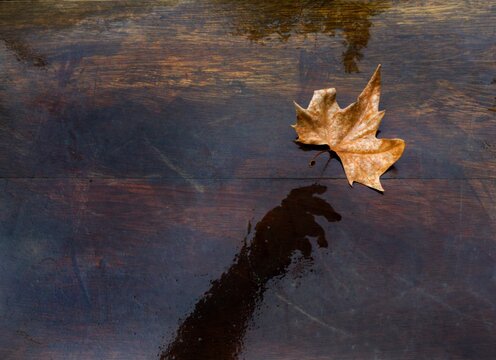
(154, 205)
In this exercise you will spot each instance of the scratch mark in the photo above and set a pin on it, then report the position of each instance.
(77, 222)
(77, 273)
(460, 208)
(488, 205)
(481, 297)
(28, 337)
(441, 302)
(426, 293)
(457, 242)
(331, 274)
(189, 179)
(311, 317)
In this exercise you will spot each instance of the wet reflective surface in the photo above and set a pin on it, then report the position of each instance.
(138, 140)
(216, 328)
(262, 22)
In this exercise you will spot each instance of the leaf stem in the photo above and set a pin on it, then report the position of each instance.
(312, 162)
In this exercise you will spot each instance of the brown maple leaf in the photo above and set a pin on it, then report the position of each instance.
(350, 132)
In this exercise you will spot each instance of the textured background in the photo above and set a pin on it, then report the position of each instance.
(139, 139)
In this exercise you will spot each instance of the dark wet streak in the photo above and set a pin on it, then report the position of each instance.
(262, 21)
(215, 328)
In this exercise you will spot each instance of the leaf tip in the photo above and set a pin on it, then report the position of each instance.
(298, 108)
(377, 73)
(379, 188)
(402, 145)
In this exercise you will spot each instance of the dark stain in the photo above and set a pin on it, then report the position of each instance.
(493, 108)
(322, 149)
(28, 337)
(262, 21)
(307, 147)
(488, 146)
(392, 169)
(24, 53)
(215, 328)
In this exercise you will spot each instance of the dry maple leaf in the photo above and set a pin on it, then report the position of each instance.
(350, 132)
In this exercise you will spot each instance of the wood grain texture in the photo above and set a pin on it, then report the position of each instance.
(139, 139)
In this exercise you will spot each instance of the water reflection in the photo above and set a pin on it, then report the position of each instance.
(215, 329)
(257, 20)
(261, 20)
